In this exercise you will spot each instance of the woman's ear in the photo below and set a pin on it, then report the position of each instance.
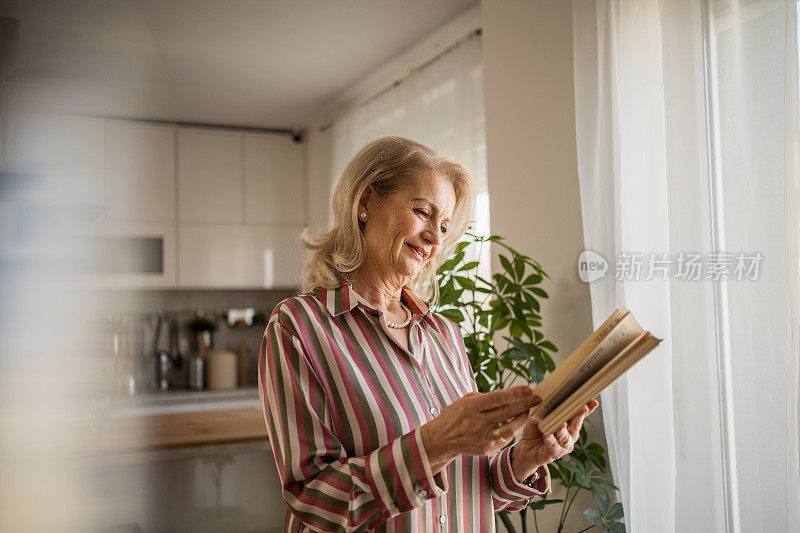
(364, 200)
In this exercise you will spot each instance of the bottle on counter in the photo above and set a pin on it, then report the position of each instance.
(243, 364)
(162, 370)
(197, 373)
(196, 370)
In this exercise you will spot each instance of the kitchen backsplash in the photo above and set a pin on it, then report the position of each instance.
(134, 314)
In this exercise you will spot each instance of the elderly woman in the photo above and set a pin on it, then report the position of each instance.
(371, 407)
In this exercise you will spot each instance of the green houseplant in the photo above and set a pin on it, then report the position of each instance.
(506, 306)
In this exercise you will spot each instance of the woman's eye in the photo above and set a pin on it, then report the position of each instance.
(427, 215)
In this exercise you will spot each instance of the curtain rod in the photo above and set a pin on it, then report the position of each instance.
(397, 82)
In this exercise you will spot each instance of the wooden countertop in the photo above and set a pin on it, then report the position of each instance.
(178, 430)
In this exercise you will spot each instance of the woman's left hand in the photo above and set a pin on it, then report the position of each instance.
(534, 449)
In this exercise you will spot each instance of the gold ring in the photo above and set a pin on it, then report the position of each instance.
(565, 441)
(497, 436)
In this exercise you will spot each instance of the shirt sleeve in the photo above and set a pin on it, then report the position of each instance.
(508, 494)
(324, 488)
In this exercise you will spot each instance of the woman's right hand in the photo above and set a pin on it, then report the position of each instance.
(467, 426)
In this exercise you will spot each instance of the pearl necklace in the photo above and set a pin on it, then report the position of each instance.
(404, 324)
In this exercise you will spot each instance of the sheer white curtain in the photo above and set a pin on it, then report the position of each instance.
(439, 105)
(686, 116)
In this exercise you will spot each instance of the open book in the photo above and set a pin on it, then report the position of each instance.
(617, 345)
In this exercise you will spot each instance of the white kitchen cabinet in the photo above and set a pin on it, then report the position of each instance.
(141, 172)
(228, 256)
(63, 155)
(274, 180)
(209, 176)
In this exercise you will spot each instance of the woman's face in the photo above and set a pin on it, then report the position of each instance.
(405, 231)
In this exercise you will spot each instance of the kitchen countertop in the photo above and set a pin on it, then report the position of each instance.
(177, 430)
(176, 419)
(182, 401)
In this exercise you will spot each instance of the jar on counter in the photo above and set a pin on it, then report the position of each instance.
(222, 370)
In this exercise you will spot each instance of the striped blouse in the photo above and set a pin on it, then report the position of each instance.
(343, 401)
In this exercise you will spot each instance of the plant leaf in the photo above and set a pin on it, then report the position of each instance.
(451, 263)
(615, 512)
(468, 266)
(533, 279)
(600, 497)
(535, 372)
(449, 297)
(538, 505)
(519, 268)
(548, 345)
(596, 449)
(607, 483)
(593, 516)
(465, 282)
(540, 292)
(517, 354)
(571, 467)
(453, 314)
(507, 265)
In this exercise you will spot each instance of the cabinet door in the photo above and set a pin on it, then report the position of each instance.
(64, 156)
(209, 176)
(120, 255)
(141, 173)
(224, 256)
(274, 180)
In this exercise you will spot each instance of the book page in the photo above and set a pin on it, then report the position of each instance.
(620, 336)
(553, 380)
(594, 386)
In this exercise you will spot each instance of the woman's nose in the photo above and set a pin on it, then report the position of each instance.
(434, 236)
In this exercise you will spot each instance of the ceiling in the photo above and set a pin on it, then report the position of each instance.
(234, 62)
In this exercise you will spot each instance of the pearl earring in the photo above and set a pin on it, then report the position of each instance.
(363, 216)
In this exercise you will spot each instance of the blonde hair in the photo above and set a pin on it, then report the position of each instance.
(387, 164)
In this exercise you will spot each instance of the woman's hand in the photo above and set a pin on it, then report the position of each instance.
(534, 449)
(477, 424)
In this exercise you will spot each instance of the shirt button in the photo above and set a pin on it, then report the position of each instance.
(442, 519)
(434, 411)
(422, 494)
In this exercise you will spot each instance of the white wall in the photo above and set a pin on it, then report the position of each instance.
(319, 148)
(532, 164)
(531, 154)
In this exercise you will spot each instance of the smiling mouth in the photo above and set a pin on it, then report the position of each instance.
(415, 252)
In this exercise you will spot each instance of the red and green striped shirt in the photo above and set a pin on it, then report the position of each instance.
(343, 402)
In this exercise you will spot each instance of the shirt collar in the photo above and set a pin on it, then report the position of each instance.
(343, 298)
